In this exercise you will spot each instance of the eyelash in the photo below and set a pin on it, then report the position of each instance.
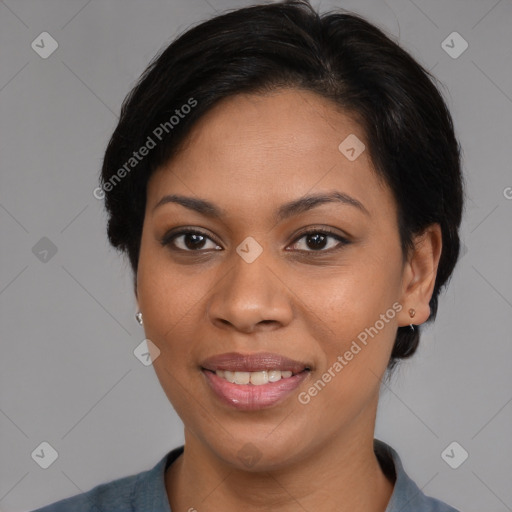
(168, 239)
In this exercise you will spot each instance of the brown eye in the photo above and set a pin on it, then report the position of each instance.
(189, 240)
(318, 240)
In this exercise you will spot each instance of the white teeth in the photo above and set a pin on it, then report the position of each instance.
(229, 376)
(242, 377)
(259, 378)
(274, 375)
(255, 378)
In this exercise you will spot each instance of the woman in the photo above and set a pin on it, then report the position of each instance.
(288, 190)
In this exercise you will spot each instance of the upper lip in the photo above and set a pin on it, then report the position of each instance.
(234, 361)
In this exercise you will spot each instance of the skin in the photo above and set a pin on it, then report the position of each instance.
(249, 155)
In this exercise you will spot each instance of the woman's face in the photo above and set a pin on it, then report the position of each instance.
(252, 284)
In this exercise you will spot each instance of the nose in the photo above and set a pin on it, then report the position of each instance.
(251, 297)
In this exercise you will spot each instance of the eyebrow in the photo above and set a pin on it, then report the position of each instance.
(285, 211)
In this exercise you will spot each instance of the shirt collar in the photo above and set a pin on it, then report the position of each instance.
(406, 494)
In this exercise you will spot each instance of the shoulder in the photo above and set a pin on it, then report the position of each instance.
(406, 494)
(138, 492)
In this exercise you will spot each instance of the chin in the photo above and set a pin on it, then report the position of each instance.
(248, 450)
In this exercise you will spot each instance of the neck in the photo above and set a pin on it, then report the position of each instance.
(341, 475)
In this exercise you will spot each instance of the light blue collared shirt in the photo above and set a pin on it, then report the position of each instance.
(145, 491)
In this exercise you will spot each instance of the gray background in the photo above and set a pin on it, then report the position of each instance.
(68, 372)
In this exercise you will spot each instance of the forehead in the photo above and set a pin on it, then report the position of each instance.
(257, 149)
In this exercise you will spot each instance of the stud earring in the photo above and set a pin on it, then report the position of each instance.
(412, 312)
(138, 317)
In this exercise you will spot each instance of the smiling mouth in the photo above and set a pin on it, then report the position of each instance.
(253, 381)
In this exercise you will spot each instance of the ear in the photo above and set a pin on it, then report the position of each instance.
(419, 275)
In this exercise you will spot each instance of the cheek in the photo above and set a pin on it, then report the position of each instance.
(172, 298)
(355, 311)
(159, 292)
(355, 332)
(349, 299)
(170, 305)
(162, 290)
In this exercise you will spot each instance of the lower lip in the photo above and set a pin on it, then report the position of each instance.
(250, 397)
